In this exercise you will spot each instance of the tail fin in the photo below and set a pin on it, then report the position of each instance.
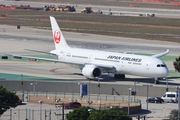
(58, 37)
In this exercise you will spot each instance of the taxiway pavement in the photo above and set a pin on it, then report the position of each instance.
(168, 13)
(13, 40)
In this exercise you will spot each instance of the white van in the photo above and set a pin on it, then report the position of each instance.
(170, 97)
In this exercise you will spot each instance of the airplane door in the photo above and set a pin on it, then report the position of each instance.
(91, 58)
(62, 55)
(122, 64)
(147, 66)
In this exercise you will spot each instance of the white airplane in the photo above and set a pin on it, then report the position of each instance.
(95, 62)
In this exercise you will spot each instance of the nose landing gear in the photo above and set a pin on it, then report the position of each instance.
(156, 81)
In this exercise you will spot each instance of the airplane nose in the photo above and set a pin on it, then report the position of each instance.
(165, 72)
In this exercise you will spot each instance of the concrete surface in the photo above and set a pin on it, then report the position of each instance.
(15, 41)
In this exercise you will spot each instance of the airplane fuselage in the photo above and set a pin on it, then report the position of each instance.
(123, 63)
(95, 62)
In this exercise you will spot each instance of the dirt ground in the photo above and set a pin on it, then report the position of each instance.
(124, 3)
(84, 101)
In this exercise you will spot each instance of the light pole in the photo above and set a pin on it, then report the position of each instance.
(135, 89)
(129, 94)
(34, 87)
(81, 92)
(22, 83)
(98, 89)
(89, 93)
(167, 83)
(178, 103)
(147, 91)
(99, 100)
(40, 101)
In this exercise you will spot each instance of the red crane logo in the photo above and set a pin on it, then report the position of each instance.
(57, 36)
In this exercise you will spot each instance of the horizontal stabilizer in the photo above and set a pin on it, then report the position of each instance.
(40, 51)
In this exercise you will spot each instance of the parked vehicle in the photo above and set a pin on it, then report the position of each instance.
(170, 97)
(72, 105)
(155, 100)
(87, 10)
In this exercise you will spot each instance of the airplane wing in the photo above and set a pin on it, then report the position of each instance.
(35, 58)
(161, 54)
(101, 66)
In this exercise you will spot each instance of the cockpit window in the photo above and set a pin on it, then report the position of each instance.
(158, 65)
(161, 65)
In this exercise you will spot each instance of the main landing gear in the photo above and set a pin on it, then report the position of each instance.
(119, 76)
(156, 80)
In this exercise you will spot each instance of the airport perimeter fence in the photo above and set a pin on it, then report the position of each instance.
(72, 96)
(28, 114)
(55, 113)
(31, 114)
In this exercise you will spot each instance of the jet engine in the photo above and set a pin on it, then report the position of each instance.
(91, 71)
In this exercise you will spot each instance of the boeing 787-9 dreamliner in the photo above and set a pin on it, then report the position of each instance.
(95, 62)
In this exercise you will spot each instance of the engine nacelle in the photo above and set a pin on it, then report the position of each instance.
(91, 71)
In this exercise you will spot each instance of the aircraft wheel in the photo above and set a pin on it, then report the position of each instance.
(123, 76)
(116, 76)
(156, 82)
